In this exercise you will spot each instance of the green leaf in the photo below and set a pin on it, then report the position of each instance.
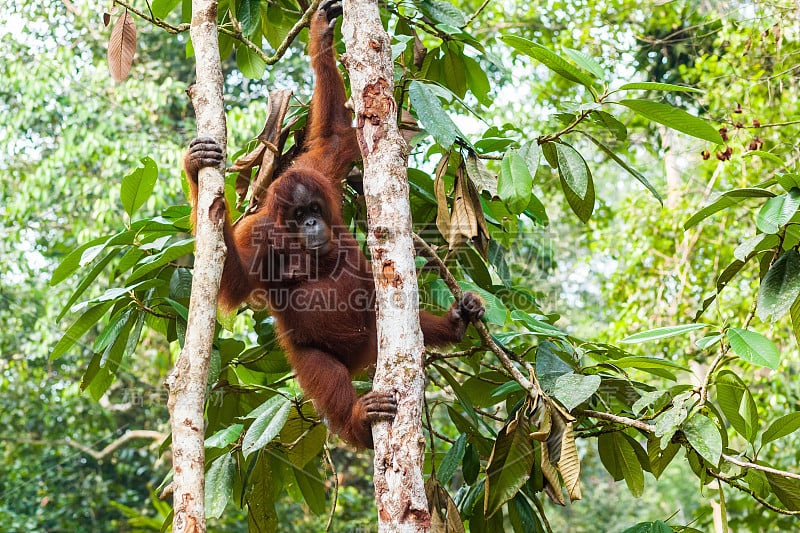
(312, 486)
(652, 527)
(110, 332)
(477, 80)
(272, 415)
(522, 517)
(753, 347)
(550, 59)
(162, 8)
(765, 155)
(737, 404)
(777, 211)
(536, 326)
(660, 459)
(704, 436)
(170, 253)
(138, 186)
(88, 319)
(432, 115)
(574, 389)
(794, 312)
(662, 333)
(102, 370)
(225, 437)
(444, 12)
(726, 200)
(780, 287)
(452, 459)
(72, 261)
(509, 464)
(624, 164)
(250, 63)
(249, 14)
(455, 71)
(756, 243)
(610, 123)
(85, 283)
(655, 86)
(576, 181)
(586, 62)
(180, 283)
(621, 461)
(786, 489)
(781, 427)
(219, 485)
(674, 118)
(515, 182)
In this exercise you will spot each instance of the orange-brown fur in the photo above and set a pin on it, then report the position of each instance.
(322, 302)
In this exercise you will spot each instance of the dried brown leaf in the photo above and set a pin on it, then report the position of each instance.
(445, 517)
(569, 465)
(463, 219)
(122, 47)
(442, 213)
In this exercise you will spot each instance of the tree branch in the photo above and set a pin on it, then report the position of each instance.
(234, 33)
(532, 389)
(97, 455)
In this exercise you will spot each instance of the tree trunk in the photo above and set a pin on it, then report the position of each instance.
(188, 380)
(399, 446)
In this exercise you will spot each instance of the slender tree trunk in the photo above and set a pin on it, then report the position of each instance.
(399, 446)
(188, 380)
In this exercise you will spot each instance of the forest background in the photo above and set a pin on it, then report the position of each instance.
(570, 278)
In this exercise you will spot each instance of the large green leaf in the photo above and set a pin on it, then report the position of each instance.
(586, 62)
(138, 186)
(655, 86)
(443, 12)
(737, 404)
(786, 489)
(621, 461)
(726, 200)
(455, 71)
(219, 485)
(250, 63)
(576, 181)
(781, 427)
(249, 14)
(624, 164)
(312, 485)
(514, 182)
(651, 527)
(704, 436)
(162, 8)
(432, 115)
(89, 318)
(754, 347)
(780, 287)
(452, 459)
(477, 80)
(225, 437)
(509, 465)
(661, 333)
(674, 118)
(777, 211)
(272, 414)
(550, 59)
(574, 389)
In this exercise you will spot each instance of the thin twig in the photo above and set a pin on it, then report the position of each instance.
(532, 390)
(235, 33)
(335, 476)
(735, 484)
